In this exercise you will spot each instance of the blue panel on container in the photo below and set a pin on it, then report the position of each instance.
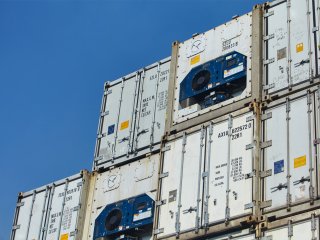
(111, 129)
(278, 166)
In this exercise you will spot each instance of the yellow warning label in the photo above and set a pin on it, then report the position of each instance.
(300, 161)
(64, 236)
(299, 47)
(195, 59)
(124, 125)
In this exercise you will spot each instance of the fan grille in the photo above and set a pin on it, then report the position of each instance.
(200, 80)
(113, 219)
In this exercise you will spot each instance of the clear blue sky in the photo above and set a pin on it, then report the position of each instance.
(55, 57)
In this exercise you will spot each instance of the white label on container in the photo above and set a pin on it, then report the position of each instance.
(140, 216)
(232, 71)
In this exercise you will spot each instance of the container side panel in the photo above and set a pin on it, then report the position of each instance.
(240, 165)
(64, 212)
(125, 118)
(299, 150)
(276, 48)
(153, 103)
(275, 157)
(170, 187)
(110, 122)
(218, 172)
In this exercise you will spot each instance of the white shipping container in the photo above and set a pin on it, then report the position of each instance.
(55, 211)
(235, 35)
(132, 119)
(290, 130)
(120, 183)
(205, 171)
(289, 45)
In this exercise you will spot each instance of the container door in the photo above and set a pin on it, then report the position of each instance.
(30, 216)
(181, 190)
(316, 15)
(126, 117)
(296, 231)
(229, 159)
(289, 44)
(64, 208)
(109, 123)
(291, 130)
(152, 107)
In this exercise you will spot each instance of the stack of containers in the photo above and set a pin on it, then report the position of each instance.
(126, 164)
(207, 183)
(290, 118)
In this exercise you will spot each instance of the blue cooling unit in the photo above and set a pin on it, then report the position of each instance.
(127, 219)
(214, 81)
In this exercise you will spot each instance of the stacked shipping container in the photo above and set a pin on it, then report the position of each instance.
(234, 155)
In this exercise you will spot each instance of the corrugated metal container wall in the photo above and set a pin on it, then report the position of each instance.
(55, 211)
(132, 119)
(118, 184)
(290, 55)
(205, 174)
(235, 35)
(290, 129)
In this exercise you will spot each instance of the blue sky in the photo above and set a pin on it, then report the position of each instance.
(55, 57)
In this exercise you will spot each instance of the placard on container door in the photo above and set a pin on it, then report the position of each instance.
(182, 188)
(152, 106)
(290, 157)
(289, 44)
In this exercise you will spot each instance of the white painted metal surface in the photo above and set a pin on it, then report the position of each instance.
(234, 35)
(205, 175)
(289, 49)
(291, 157)
(241, 235)
(307, 229)
(53, 211)
(120, 183)
(132, 117)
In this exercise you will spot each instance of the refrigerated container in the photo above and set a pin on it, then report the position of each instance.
(119, 183)
(132, 116)
(54, 211)
(206, 176)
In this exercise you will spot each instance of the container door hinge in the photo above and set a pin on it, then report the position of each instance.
(104, 113)
(73, 233)
(268, 14)
(269, 86)
(249, 205)
(101, 135)
(163, 175)
(315, 29)
(20, 204)
(166, 148)
(158, 231)
(161, 202)
(265, 204)
(251, 145)
(267, 173)
(316, 141)
(266, 238)
(266, 116)
(79, 184)
(107, 92)
(205, 174)
(97, 159)
(266, 144)
(250, 175)
(15, 227)
(266, 38)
